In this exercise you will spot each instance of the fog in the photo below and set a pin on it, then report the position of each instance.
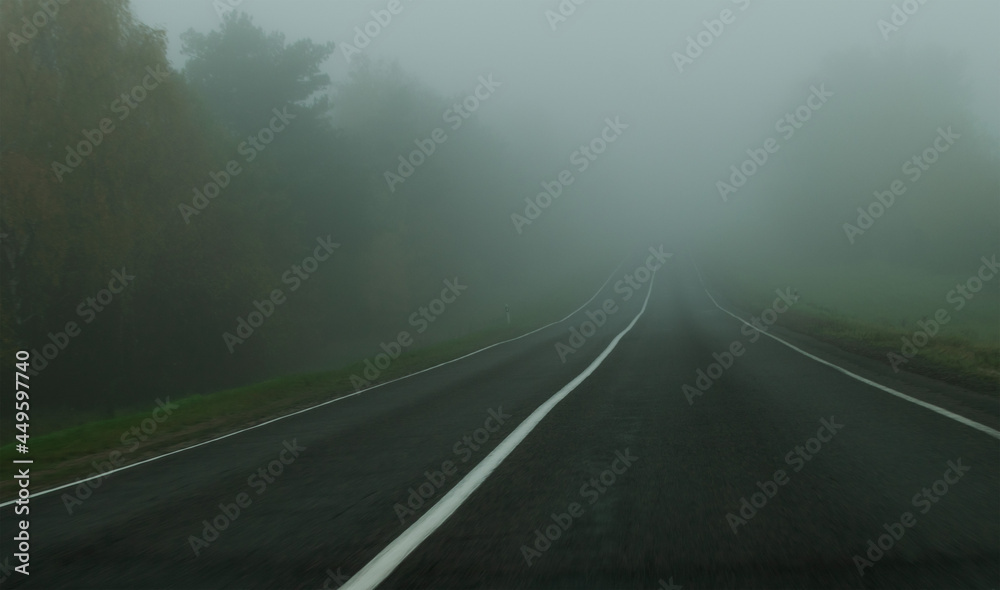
(863, 95)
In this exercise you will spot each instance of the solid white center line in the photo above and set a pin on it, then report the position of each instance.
(379, 568)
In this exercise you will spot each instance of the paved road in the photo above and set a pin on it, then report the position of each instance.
(631, 480)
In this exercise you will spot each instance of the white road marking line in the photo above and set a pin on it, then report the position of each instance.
(921, 403)
(379, 568)
(194, 446)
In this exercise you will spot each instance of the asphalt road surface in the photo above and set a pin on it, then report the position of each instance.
(556, 461)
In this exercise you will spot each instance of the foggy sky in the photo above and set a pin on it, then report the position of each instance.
(614, 54)
(614, 58)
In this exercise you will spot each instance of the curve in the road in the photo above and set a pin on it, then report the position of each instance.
(320, 405)
(379, 568)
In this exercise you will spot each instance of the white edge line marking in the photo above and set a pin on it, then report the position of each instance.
(379, 568)
(931, 407)
(343, 397)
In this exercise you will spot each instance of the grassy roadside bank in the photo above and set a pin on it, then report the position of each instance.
(70, 454)
(873, 311)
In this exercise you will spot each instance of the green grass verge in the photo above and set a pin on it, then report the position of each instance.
(876, 322)
(67, 455)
